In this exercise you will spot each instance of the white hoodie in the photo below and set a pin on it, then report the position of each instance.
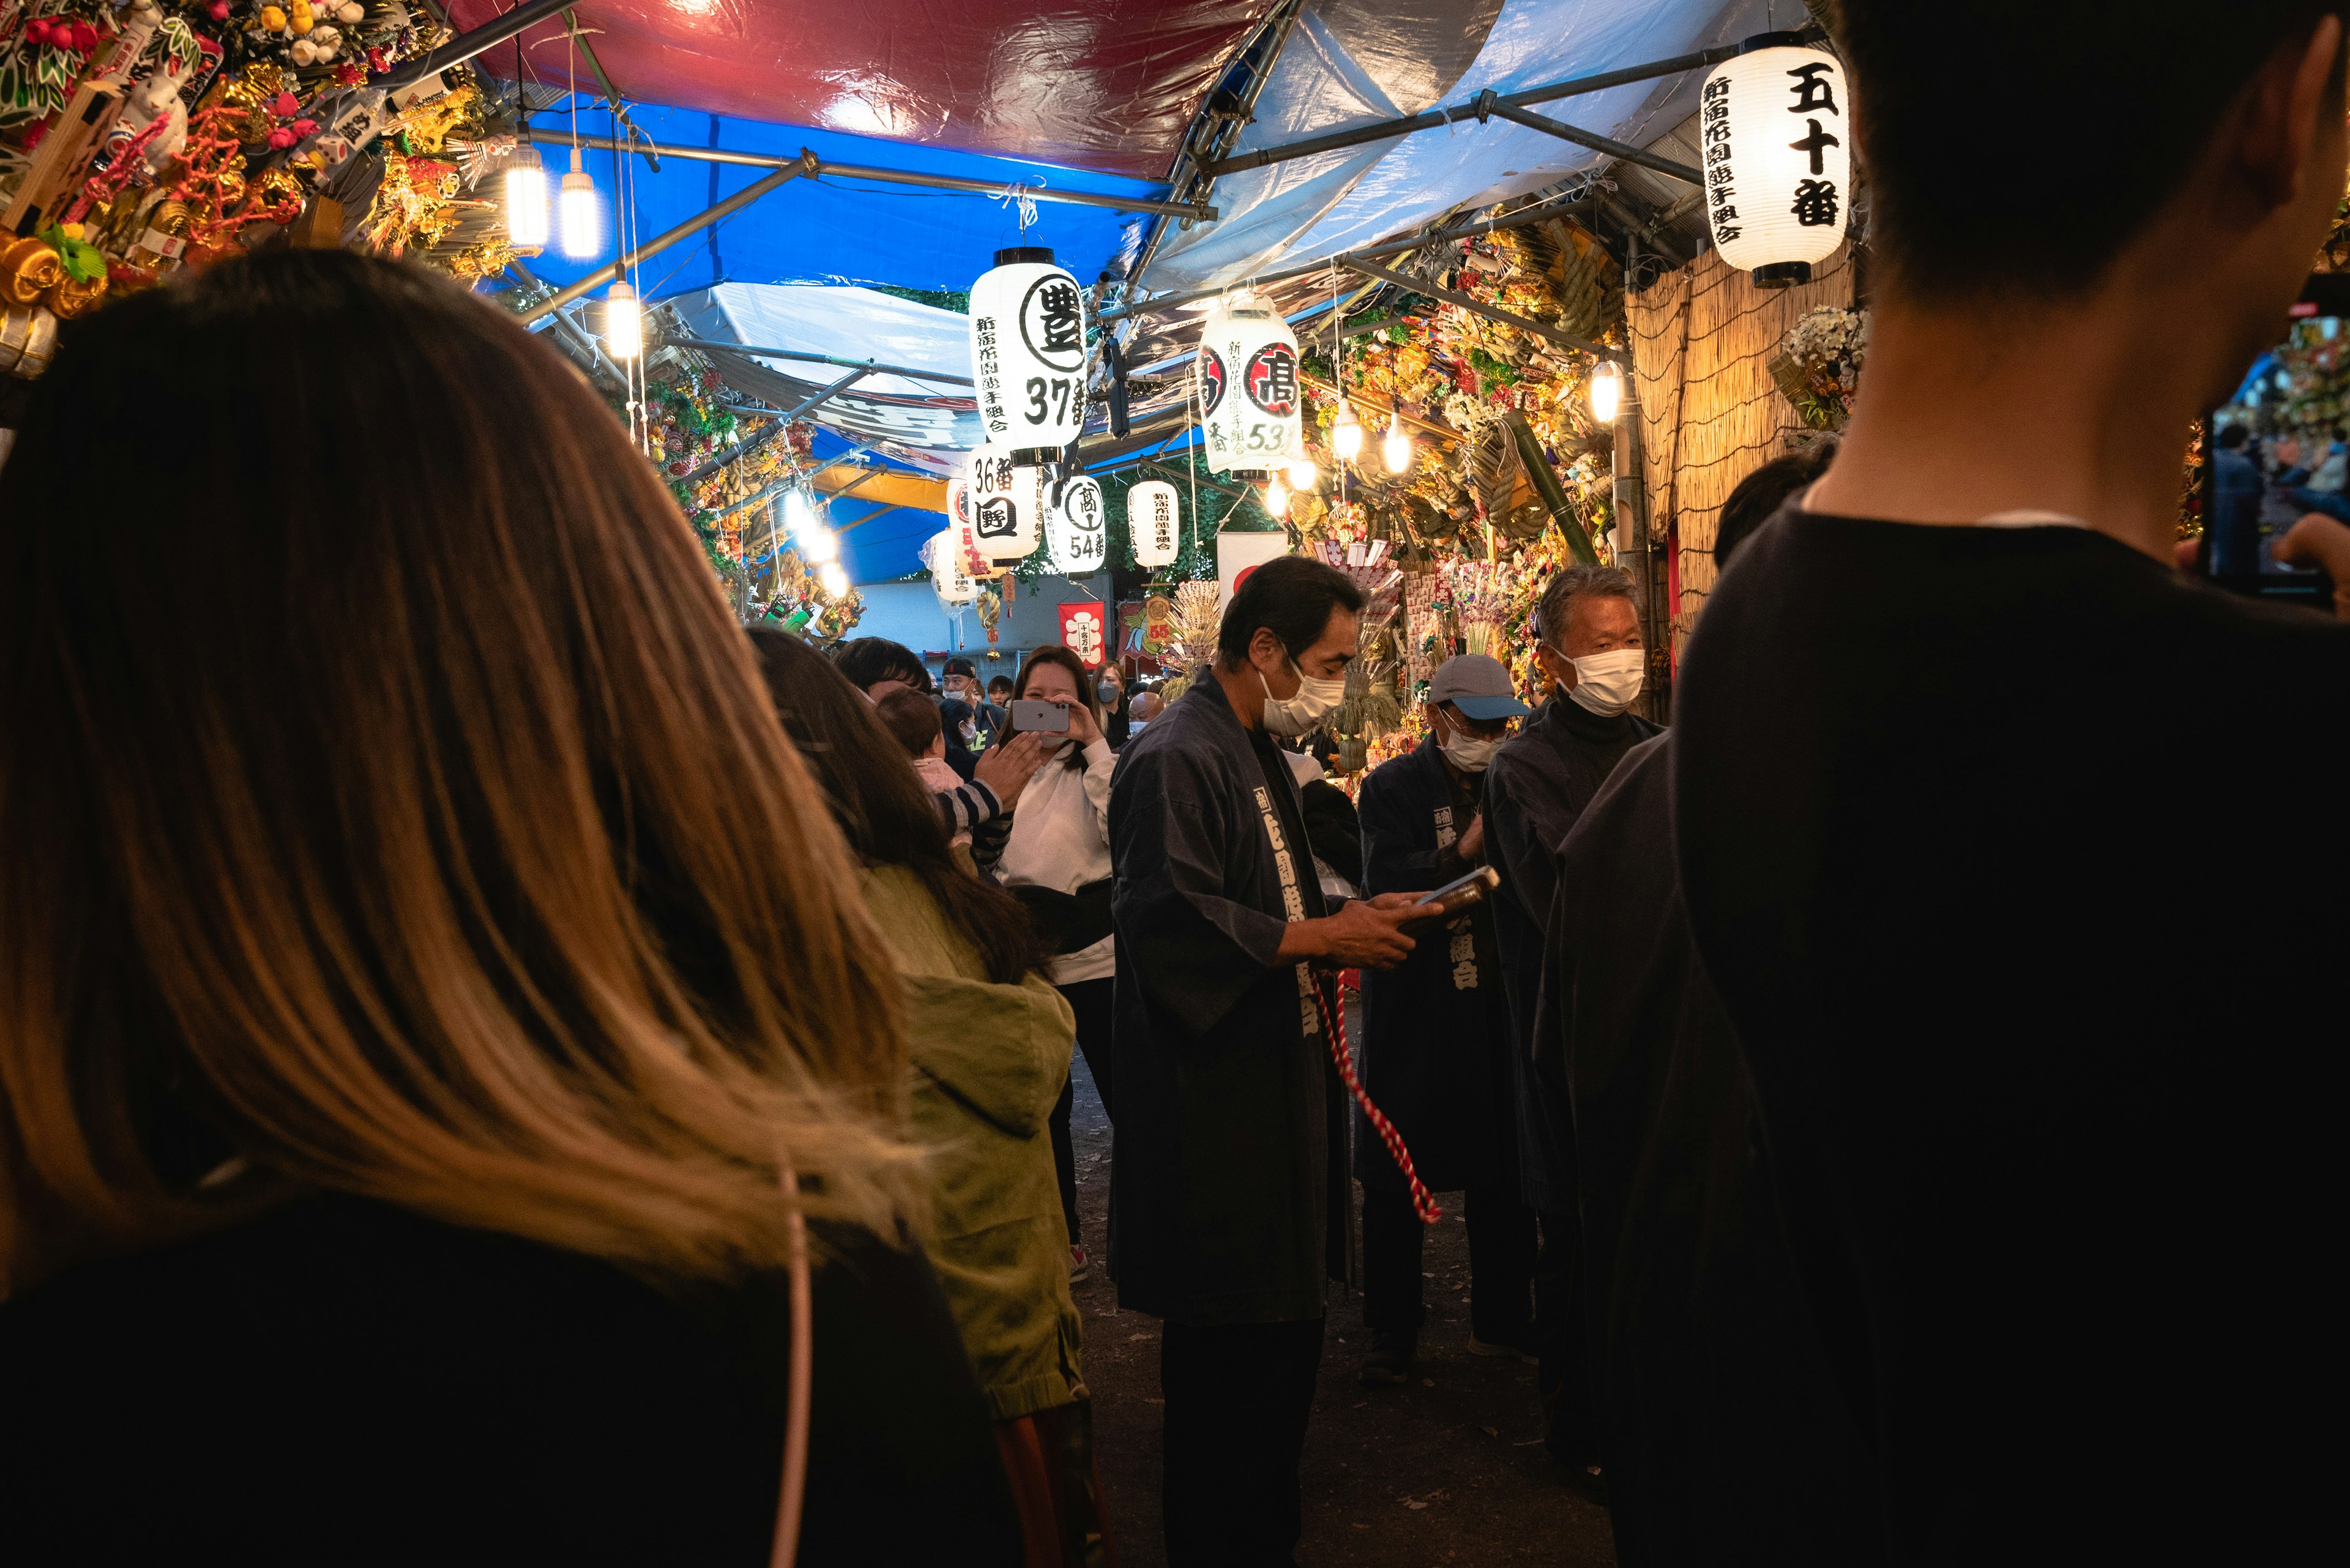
(1060, 839)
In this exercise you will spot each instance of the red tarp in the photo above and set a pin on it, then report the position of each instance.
(1106, 85)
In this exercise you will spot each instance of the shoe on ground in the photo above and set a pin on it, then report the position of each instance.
(1520, 1343)
(1080, 1266)
(1388, 1365)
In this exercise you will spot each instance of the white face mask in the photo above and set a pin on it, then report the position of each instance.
(1315, 701)
(1470, 754)
(1607, 683)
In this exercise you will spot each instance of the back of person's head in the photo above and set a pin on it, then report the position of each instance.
(869, 660)
(1569, 584)
(911, 718)
(1054, 656)
(2146, 82)
(425, 838)
(2233, 436)
(1292, 596)
(882, 809)
(1759, 495)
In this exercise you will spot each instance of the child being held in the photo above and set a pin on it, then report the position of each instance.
(912, 720)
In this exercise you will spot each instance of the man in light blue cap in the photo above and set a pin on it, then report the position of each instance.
(1437, 1037)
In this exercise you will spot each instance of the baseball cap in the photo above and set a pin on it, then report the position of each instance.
(1478, 686)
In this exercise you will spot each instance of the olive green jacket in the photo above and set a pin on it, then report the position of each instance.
(989, 1062)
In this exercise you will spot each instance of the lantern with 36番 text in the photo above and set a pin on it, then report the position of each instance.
(1775, 130)
(1007, 503)
(1153, 523)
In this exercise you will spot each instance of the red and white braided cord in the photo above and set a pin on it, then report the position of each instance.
(1422, 1201)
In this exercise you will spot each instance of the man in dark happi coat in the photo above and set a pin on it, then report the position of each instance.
(1229, 1187)
(1538, 785)
(1437, 1041)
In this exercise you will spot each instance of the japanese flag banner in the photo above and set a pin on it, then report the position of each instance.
(1084, 631)
(1251, 408)
(1776, 133)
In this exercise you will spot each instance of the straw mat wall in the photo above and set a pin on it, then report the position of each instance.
(1703, 340)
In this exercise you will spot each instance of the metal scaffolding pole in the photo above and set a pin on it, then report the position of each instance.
(686, 229)
(1166, 302)
(466, 45)
(865, 365)
(612, 93)
(1598, 143)
(903, 177)
(1478, 307)
(1429, 120)
(746, 449)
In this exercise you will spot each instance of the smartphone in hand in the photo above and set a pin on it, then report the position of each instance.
(1461, 892)
(1046, 716)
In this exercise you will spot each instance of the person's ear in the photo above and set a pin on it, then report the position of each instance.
(2292, 126)
(1266, 653)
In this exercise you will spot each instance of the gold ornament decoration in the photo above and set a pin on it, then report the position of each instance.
(28, 270)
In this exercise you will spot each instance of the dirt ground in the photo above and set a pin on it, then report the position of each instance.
(1448, 1469)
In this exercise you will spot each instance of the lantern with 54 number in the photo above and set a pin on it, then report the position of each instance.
(1775, 126)
(1080, 534)
(1028, 352)
(1007, 503)
(1249, 397)
(1153, 523)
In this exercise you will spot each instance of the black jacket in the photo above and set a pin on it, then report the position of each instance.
(341, 1381)
(1723, 1432)
(1436, 1031)
(1229, 1191)
(1537, 786)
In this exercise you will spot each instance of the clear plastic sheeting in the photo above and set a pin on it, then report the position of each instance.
(1347, 64)
(926, 425)
(1105, 84)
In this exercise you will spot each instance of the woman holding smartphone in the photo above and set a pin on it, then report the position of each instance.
(1056, 862)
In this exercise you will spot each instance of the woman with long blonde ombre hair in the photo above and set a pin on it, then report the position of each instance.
(426, 974)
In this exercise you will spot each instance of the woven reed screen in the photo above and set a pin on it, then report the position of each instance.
(1702, 342)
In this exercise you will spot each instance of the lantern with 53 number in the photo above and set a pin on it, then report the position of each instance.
(1251, 405)
(1774, 123)
(1028, 352)
(1153, 523)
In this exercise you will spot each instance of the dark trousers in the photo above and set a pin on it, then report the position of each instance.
(1090, 1000)
(1563, 1377)
(1238, 1395)
(1500, 1262)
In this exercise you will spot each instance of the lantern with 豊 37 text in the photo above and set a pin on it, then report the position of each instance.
(1028, 352)
(1774, 126)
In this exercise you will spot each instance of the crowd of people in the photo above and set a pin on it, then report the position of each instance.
(496, 1064)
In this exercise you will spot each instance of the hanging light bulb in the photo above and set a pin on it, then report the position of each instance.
(1302, 474)
(1276, 497)
(797, 517)
(1606, 390)
(575, 207)
(624, 322)
(835, 580)
(1345, 434)
(1397, 448)
(821, 544)
(525, 197)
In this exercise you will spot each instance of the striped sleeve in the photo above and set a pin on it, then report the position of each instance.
(967, 806)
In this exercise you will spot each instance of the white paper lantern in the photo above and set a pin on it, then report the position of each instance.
(1154, 523)
(946, 554)
(959, 496)
(1247, 378)
(1080, 522)
(1007, 503)
(1774, 125)
(1028, 352)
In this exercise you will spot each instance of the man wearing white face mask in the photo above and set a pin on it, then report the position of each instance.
(1537, 789)
(1437, 1039)
(1228, 1175)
